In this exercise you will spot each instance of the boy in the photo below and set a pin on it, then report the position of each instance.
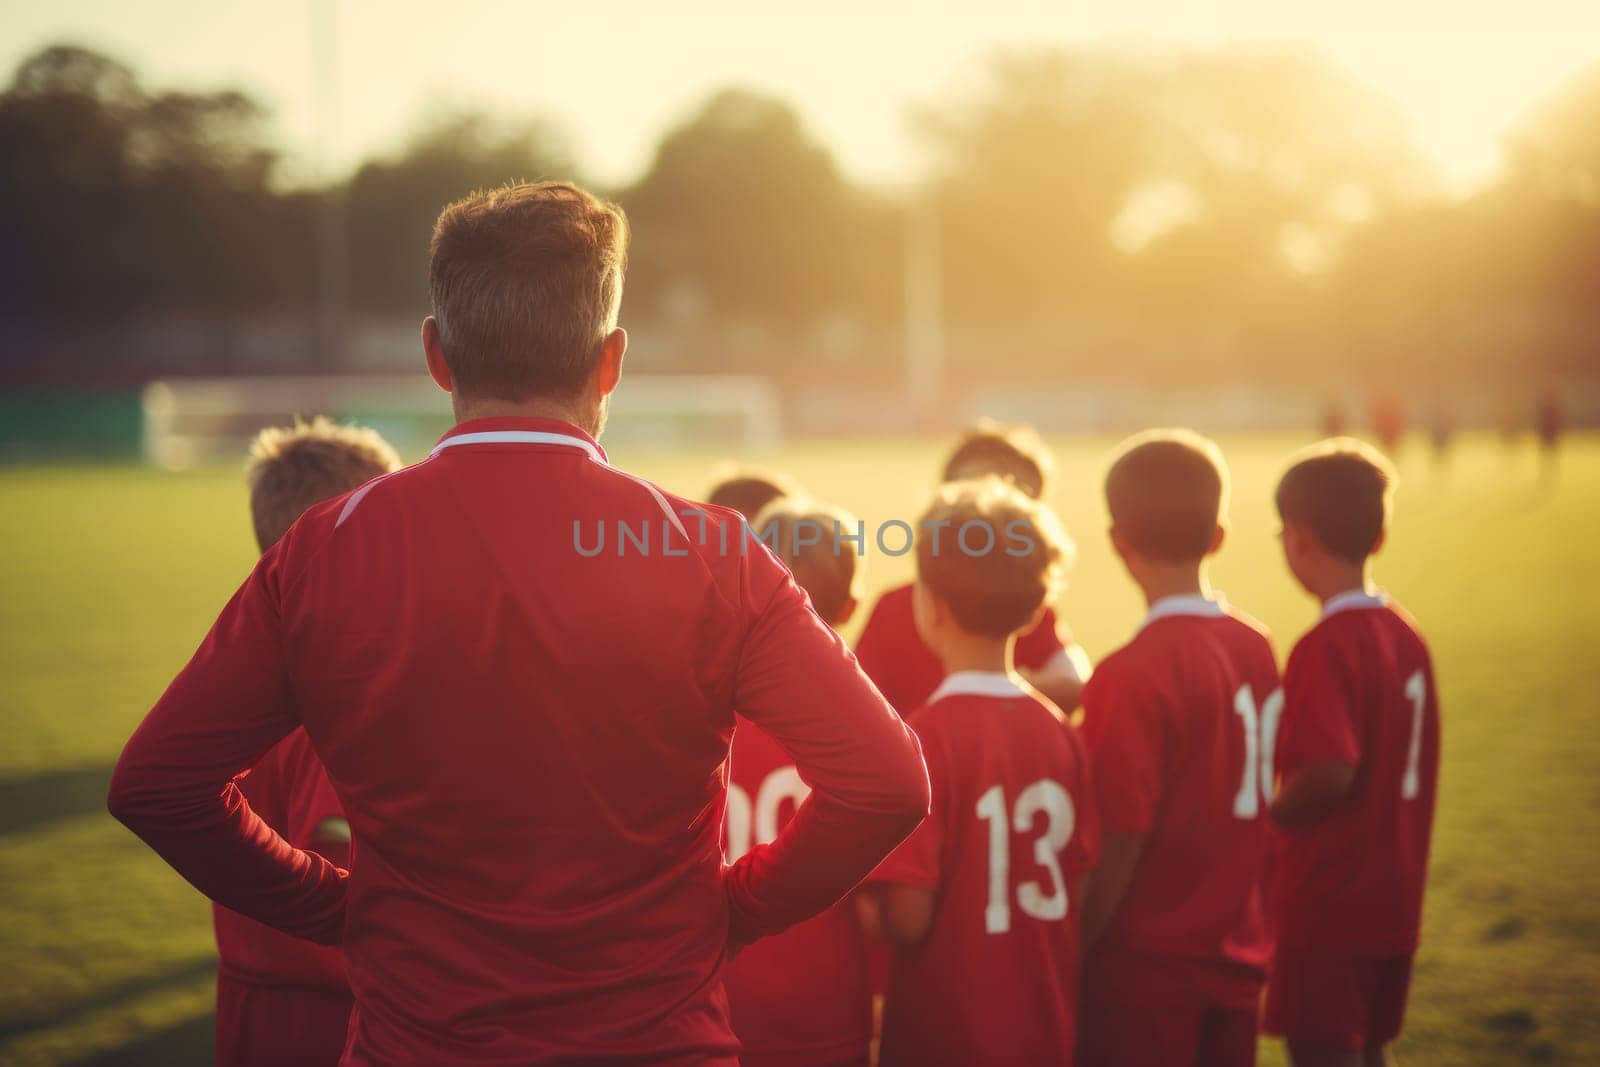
(892, 653)
(281, 999)
(1358, 765)
(982, 901)
(1174, 723)
(801, 997)
(749, 490)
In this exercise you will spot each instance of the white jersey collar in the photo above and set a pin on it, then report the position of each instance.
(520, 437)
(1211, 607)
(978, 684)
(1355, 600)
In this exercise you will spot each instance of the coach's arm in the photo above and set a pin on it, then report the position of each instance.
(869, 787)
(174, 785)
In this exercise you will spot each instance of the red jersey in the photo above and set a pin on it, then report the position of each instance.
(1012, 834)
(907, 671)
(1359, 689)
(519, 667)
(1176, 723)
(801, 997)
(280, 998)
(290, 791)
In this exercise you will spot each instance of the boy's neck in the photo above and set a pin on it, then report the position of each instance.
(1342, 577)
(976, 652)
(1161, 580)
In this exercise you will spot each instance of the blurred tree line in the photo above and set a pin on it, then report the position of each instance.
(1100, 215)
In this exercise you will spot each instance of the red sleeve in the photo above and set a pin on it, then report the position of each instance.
(869, 788)
(916, 861)
(878, 655)
(1126, 740)
(1041, 644)
(174, 784)
(308, 796)
(1320, 721)
(1086, 821)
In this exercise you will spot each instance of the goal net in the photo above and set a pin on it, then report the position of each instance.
(193, 420)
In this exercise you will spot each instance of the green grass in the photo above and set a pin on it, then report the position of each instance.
(110, 575)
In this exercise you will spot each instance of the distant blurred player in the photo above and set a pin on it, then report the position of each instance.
(983, 899)
(890, 649)
(1508, 418)
(748, 490)
(1178, 724)
(280, 999)
(1358, 765)
(1549, 421)
(1333, 418)
(1441, 433)
(1388, 421)
(801, 997)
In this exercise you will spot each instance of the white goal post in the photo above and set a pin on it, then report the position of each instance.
(192, 420)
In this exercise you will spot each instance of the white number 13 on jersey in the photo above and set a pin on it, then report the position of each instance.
(1044, 797)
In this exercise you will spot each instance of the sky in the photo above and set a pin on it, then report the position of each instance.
(617, 75)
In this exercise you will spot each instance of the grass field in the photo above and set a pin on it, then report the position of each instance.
(109, 576)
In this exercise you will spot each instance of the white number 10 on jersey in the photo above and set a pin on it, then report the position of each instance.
(1044, 797)
(1260, 739)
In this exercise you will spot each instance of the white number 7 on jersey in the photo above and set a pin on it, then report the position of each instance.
(1417, 691)
(1260, 738)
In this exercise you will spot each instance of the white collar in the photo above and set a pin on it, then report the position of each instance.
(1355, 600)
(1212, 607)
(978, 684)
(519, 437)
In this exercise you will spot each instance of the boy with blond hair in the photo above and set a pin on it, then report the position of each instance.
(281, 999)
(801, 997)
(982, 902)
(891, 650)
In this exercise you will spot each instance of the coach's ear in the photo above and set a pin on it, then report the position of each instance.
(433, 352)
(1383, 535)
(609, 371)
(1217, 537)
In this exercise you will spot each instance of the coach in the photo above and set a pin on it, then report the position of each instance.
(530, 741)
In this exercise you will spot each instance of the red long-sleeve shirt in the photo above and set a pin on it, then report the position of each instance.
(529, 735)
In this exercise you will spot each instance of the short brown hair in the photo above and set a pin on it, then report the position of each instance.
(749, 490)
(294, 467)
(1340, 490)
(1013, 452)
(819, 543)
(997, 582)
(526, 282)
(1167, 491)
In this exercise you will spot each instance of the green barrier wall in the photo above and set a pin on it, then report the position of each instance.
(46, 423)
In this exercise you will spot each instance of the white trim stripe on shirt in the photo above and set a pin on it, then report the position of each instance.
(1355, 600)
(519, 437)
(978, 684)
(1186, 604)
(360, 494)
(543, 437)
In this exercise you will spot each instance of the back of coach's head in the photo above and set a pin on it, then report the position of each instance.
(526, 281)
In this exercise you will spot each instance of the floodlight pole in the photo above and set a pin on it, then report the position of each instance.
(924, 320)
(333, 231)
